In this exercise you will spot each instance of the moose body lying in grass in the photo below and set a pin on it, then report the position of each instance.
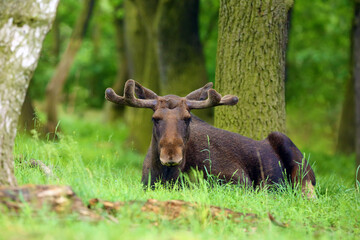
(179, 138)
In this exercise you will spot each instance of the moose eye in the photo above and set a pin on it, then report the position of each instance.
(187, 120)
(156, 120)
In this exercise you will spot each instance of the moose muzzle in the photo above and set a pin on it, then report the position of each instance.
(171, 154)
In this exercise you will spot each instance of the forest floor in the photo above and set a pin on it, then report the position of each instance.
(93, 159)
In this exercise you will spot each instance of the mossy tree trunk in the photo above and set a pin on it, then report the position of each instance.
(356, 74)
(57, 82)
(23, 26)
(251, 64)
(164, 54)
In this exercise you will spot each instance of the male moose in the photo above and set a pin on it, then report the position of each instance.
(179, 137)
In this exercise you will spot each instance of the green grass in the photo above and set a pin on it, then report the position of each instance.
(93, 159)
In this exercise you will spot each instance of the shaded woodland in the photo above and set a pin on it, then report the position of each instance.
(171, 48)
(294, 66)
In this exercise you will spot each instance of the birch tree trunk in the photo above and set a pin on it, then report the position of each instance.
(23, 26)
(251, 64)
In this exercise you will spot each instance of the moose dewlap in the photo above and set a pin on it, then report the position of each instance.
(179, 137)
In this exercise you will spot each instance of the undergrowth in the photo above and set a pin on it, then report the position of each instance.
(93, 159)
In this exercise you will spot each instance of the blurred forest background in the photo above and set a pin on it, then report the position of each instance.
(174, 47)
(317, 74)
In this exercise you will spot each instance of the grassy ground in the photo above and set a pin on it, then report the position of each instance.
(92, 158)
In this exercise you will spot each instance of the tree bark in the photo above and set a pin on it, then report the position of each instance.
(142, 63)
(181, 59)
(27, 118)
(56, 39)
(23, 26)
(162, 43)
(346, 133)
(56, 84)
(356, 74)
(251, 64)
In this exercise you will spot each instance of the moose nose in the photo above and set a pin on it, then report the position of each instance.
(171, 158)
(170, 163)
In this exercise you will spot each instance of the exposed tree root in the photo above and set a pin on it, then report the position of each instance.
(59, 199)
(62, 200)
(173, 209)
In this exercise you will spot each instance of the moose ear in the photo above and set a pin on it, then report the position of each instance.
(144, 93)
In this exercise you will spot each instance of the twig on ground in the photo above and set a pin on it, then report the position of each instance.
(276, 222)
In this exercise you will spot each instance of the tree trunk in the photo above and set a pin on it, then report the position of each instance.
(356, 74)
(143, 67)
(56, 84)
(181, 59)
(251, 64)
(56, 39)
(346, 133)
(27, 118)
(162, 42)
(23, 26)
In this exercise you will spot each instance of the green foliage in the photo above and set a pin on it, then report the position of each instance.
(92, 159)
(208, 26)
(95, 64)
(318, 69)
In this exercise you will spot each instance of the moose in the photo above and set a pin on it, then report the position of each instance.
(179, 138)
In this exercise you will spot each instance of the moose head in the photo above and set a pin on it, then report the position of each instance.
(171, 118)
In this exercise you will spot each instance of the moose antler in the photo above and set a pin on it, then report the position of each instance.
(214, 99)
(201, 93)
(129, 98)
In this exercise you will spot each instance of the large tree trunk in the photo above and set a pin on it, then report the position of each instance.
(251, 64)
(181, 59)
(23, 26)
(356, 74)
(142, 63)
(346, 133)
(162, 43)
(56, 84)
(349, 129)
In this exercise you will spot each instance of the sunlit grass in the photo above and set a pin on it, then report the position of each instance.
(92, 158)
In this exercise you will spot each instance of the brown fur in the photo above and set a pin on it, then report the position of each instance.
(179, 138)
(233, 157)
